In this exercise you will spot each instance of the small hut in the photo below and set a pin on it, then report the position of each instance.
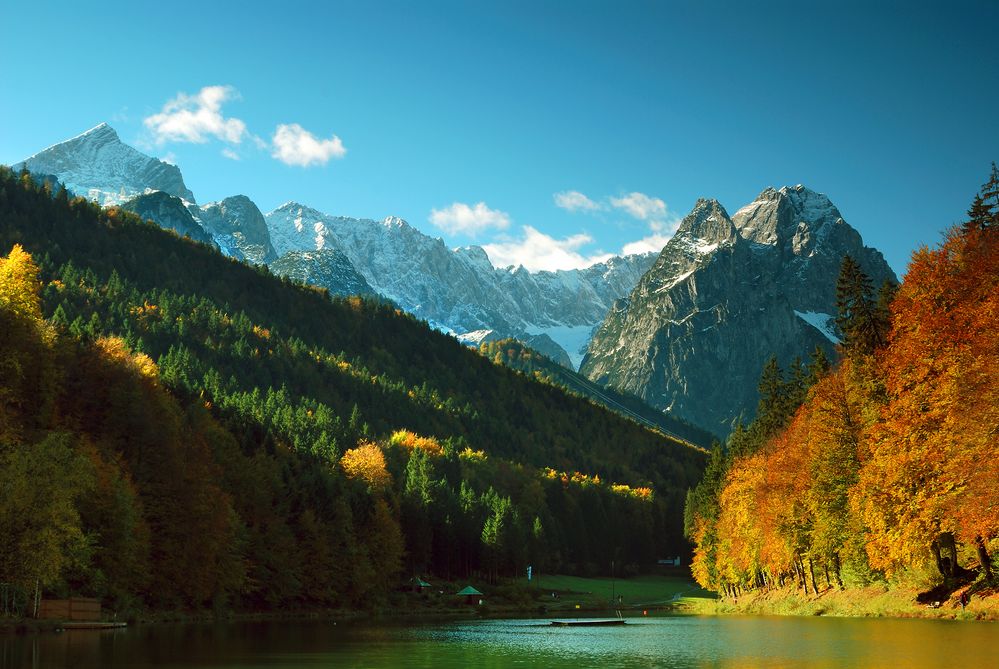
(419, 585)
(470, 594)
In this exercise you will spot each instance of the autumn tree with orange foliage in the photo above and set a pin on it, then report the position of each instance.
(933, 466)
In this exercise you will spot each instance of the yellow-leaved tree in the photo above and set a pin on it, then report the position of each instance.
(27, 376)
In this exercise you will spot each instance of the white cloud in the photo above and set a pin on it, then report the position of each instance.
(230, 154)
(197, 118)
(169, 157)
(538, 251)
(654, 242)
(294, 145)
(459, 218)
(573, 200)
(641, 206)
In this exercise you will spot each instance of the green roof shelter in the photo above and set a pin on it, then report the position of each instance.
(470, 594)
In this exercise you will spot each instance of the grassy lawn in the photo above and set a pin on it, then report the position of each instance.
(635, 591)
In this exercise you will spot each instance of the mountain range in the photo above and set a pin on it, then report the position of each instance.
(686, 330)
(456, 290)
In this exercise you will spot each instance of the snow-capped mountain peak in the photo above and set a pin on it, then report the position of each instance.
(98, 165)
(776, 214)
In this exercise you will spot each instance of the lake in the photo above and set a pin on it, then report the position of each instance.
(676, 642)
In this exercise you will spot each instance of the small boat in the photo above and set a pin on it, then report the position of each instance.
(587, 622)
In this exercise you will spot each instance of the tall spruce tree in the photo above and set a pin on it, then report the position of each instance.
(864, 329)
(984, 211)
(990, 196)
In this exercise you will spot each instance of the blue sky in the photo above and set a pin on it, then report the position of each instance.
(375, 108)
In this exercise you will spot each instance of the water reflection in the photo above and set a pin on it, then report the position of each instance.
(677, 642)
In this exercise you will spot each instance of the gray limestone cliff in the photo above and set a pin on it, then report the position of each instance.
(724, 295)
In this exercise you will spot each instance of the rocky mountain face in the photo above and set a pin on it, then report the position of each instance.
(238, 227)
(460, 290)
(170, 212)
(328, 268)
(724, 295)
(99, 166)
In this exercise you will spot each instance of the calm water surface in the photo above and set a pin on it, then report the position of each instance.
(681, 642)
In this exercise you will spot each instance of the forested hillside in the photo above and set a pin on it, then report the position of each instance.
(886, 468)
(180, 430)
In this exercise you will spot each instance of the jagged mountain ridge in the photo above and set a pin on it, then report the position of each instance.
(98, 165)
(459, 289)
(724, 295)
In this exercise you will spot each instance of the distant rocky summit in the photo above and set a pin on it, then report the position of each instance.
(724, 295)
(238, 227)
(99, 166)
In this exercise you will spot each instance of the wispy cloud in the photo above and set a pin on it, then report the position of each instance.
(537, 251)
(230, 154)
(460, 218)
(294, 145)
(197, 118)
(641, 206)
(573, 200)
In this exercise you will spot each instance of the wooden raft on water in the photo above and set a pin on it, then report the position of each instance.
(587, 623)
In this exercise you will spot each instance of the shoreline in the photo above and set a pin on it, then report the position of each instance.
(875, 601)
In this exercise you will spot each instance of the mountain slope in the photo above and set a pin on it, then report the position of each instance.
(99, 166)
(724, 295)
(399, 371)
(225, 437)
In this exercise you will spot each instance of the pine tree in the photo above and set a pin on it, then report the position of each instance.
(863, 330)
(990, 197)
(772, 410)
(979, 215)
(818, 366)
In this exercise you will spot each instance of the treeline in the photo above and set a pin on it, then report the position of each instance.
(519, 356)
(180, 430)
(885, 466)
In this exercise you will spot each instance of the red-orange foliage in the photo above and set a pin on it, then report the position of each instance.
(936, 444)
